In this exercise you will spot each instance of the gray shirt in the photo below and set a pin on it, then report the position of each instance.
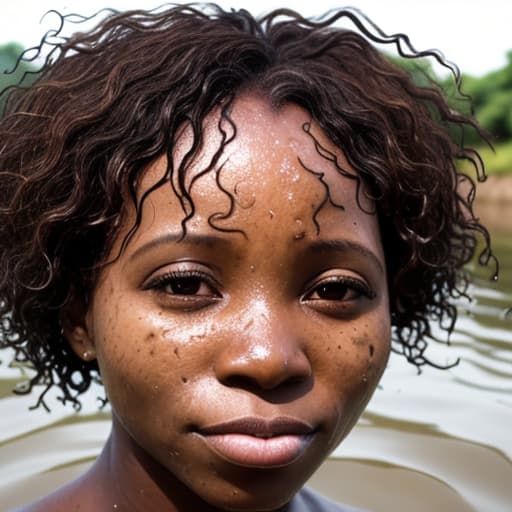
(307, 500)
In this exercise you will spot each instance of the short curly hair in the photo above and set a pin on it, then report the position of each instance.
(110, 101)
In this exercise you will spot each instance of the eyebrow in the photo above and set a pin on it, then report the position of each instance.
(344, 246)
(190, 239)
(211, 240)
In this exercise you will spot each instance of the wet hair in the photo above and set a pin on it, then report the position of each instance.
(108, 102)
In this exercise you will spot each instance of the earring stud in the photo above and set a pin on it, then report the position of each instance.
(88, 354)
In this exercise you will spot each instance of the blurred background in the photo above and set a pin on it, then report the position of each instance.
(440, 440)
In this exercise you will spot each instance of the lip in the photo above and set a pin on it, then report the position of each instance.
(258, 442)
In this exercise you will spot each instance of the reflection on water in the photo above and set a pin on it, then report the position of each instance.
(437, 441)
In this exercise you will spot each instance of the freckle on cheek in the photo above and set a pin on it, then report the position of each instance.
(360, 341)
(150, 336)
(184, 380)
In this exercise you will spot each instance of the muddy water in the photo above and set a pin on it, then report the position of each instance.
(441, 440)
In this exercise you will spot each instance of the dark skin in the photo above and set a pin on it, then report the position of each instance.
(287, 324)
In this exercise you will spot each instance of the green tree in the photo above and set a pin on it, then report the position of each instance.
(12, 73)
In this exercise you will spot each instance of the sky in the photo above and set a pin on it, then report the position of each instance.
(475, 34)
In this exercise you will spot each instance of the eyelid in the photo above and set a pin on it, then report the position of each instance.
(357, 284)
(159, 280)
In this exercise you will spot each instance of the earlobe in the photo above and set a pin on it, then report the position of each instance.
(80, 341)
(75, 330)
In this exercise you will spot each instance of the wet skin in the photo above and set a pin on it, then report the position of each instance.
(283, 322)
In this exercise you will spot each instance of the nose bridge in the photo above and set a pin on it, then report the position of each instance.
(264, 348)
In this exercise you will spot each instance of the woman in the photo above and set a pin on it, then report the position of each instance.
(228, 220)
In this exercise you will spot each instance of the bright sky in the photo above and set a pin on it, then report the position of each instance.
(475, 34)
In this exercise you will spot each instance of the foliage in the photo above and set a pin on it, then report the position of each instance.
(499, 159)
(492, 97)
(10, 73)
(488, 97)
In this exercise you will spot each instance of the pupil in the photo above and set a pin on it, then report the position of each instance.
(186, 286)
(332, 291)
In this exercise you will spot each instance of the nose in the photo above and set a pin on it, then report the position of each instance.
(267, 353)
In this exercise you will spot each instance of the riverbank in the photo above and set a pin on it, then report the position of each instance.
(494, 202)
(496, 189)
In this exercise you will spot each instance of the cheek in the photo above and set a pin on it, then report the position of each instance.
(351, 365)
(354, 357)
(146, 361)
(131, 360)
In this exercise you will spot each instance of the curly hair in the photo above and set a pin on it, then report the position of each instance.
(108, 102)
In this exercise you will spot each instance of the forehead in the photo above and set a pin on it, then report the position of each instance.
(278, 167)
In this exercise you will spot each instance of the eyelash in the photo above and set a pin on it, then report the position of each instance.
(350, 283)
(174, 276)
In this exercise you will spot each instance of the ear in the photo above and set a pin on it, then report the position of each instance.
(77, 331)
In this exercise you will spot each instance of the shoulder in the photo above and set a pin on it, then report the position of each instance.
(307, 500)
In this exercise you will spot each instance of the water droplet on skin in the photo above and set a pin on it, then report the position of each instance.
(299, 236)
(365, 379)
(271, 213)
(155, 388)
(115, 506)
(290, 196)
(252, 268)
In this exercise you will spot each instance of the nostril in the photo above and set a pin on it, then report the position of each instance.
(242, 382)
(282, 392)
(254, 384)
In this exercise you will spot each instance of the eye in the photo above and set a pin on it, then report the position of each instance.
(184, 285)
(339, 288)
(187, 289)
(337, 295)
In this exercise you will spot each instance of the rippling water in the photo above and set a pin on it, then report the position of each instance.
(441, 440)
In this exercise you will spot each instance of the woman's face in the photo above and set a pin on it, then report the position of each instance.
(238, 360)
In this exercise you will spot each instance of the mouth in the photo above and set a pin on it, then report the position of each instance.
(257, 442)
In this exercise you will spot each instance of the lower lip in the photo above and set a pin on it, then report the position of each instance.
(251, 451)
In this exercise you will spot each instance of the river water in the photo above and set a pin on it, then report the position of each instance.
(441, 440)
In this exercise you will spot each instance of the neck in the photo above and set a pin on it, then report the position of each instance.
(125, 477)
